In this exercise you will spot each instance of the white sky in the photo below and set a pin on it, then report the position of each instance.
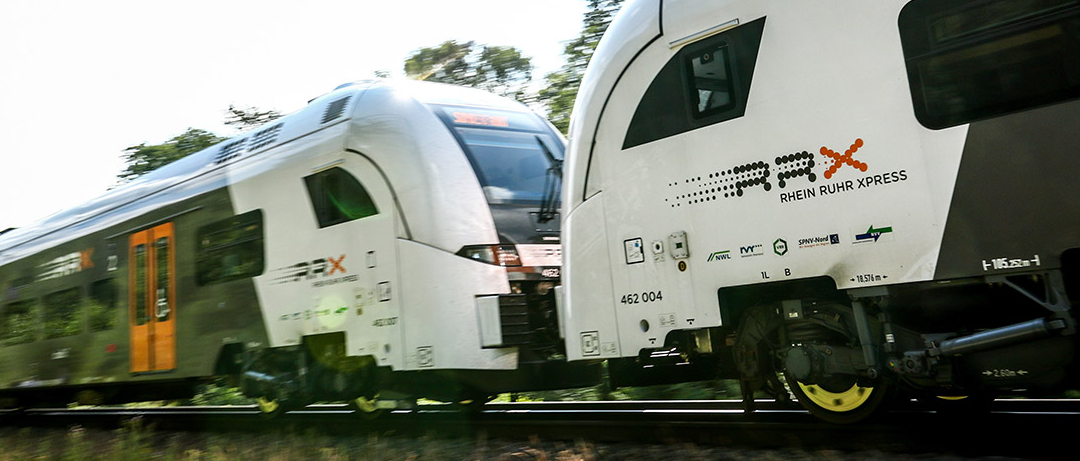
(82, 80)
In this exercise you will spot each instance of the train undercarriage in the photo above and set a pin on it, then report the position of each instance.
(846, 355)
(320, 371)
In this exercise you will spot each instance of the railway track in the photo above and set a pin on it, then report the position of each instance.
(1036, 429)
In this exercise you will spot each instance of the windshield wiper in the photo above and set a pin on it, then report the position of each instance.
(552, 186)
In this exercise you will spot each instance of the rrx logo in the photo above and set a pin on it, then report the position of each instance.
(322, 267)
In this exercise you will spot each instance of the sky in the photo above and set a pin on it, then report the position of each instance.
(80, 80)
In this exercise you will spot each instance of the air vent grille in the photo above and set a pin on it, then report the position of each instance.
(335, 109)
(230, 151)
(265, 137)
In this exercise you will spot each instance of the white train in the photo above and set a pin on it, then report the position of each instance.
(862, 196)
(388, 228)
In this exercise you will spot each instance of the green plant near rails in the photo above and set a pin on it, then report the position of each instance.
(136, 442)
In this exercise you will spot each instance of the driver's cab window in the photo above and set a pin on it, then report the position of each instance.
(338, 197)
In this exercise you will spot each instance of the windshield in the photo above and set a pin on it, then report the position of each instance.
(504, 149)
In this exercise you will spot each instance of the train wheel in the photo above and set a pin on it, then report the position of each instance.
(959, 404)
(269, 408)
(843, 401)
(475, 404)
(366, 408)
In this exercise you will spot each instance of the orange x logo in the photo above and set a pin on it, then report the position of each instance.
(841, 160)
(84, 259)
(335, 265)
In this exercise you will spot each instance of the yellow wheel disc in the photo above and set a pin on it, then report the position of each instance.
(952, 397)
(837, 401)
(267, 406)
(365, 404)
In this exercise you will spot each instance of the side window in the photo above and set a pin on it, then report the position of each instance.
(712, 85)
(705, 83)
(18, 322)
(230, 249)
(62, 313)
(970, 60)
(102, 311)
(338, 197)
(161, 255)
(140, 285)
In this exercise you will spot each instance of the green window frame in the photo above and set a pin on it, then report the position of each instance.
(103, 304)
(230, 249)
(61, 311)
(18, 322)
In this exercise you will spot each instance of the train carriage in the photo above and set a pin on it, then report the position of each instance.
(858, 196)
(387, 240)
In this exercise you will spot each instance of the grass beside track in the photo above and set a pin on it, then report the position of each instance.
(134, 442)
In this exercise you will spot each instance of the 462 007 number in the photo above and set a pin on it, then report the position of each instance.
(643, 297)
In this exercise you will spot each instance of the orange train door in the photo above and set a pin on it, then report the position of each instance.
(152, 299)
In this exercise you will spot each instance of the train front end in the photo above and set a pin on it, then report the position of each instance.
(476, 183)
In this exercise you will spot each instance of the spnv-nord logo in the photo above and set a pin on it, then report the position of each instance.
(780, 247)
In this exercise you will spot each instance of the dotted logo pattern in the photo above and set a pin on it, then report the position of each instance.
(732, 183)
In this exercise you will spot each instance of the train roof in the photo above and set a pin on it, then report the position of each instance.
(323, 111)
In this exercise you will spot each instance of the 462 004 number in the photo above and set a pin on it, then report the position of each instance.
(643, 297)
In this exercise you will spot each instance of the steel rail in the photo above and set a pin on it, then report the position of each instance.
(1030, 428)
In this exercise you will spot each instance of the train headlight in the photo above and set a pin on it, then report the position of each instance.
(499, 255)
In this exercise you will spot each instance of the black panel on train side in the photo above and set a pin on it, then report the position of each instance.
(668, 106)
(1015, 194)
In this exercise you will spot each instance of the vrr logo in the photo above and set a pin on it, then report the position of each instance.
(780, 247)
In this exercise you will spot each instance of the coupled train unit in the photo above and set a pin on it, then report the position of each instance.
(843, 198)
(391, 240)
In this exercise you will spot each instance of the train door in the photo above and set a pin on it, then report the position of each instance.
(152, 299)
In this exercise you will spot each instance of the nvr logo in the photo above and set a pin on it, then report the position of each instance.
(720, 255)
(752, 250)
(872, 234)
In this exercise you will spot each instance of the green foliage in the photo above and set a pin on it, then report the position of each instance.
(251, 117)
(18, 323)
(62, 314)
(444, 63)
(101, 316)
(561, 86)
(219, 393)
(142, 159)
(698, 390)
(501, 70)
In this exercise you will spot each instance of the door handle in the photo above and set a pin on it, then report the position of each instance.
(161, 308)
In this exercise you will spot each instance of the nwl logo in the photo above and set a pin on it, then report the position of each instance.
(720, 255)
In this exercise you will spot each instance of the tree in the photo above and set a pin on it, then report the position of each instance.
(444, 63)
(562, 86)
(501, 70)
(142, 159)
(249, 118)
